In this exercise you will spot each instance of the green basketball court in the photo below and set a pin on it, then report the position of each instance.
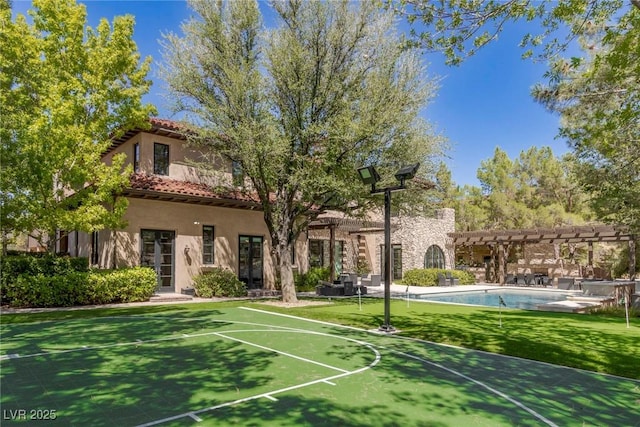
(248, 366)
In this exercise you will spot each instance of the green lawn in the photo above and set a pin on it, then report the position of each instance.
(592, 342)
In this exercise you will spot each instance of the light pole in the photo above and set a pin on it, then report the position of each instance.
(369, 175)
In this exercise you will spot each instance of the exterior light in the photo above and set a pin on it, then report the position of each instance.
(369, 176)
(407, 172)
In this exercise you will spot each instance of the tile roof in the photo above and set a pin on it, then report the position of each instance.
(163, 188)
(165, 127)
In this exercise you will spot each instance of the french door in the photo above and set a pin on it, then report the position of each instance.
(158, 253)
(250, 269)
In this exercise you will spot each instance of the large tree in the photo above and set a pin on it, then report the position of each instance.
(65, 89)
(299, 107)
(598, 98)
(459, 28)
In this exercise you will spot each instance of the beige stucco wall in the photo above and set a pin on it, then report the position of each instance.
(181, 160)
(228, 224)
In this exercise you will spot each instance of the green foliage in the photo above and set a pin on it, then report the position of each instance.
(219, 282)
(620, 268)
(459, 28)
(308, 281)
(302, 105)
(534, 190)
(598, 98)
(429, 276)
(14, 266)
(82, 288)
(65, 90)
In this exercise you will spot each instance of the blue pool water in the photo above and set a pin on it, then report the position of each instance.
(526, 300)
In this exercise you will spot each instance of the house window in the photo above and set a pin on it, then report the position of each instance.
(160, 159)
(63, 243)
(237, 174)
(434, 258)
(207, 244)
(293, 253)
(396, 261)
(316, 253)
(136, 157)
(94, 248)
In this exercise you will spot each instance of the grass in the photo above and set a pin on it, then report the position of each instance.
(599, 343)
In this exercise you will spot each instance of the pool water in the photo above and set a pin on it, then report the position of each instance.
(525, 300)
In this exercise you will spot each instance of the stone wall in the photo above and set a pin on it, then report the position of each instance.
(415, 234)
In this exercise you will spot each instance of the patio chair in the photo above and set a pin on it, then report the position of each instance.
(510, 279)
(442, 281)
(520, 280)
(530, 279)
(452, 280)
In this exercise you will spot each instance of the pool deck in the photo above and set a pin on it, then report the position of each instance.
(574, 303)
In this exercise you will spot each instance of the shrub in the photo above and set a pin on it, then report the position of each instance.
(308, 281)
(45, 264)
(121, 285)
(82, 288)
(429, 276)
(219, 282)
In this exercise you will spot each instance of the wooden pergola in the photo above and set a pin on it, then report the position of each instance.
(575, 234)
(351, 225)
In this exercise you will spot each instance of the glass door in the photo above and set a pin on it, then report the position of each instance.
(158, 253)
(250, 261)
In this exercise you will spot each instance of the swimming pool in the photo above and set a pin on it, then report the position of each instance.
(522, 299)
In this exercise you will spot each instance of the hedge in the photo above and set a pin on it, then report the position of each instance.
(429, 276)
(219, 282)
(35, 264)
(82, 288)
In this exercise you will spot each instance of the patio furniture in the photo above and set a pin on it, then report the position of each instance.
(371, 280)
(529, 280)
(328, 289)
(566, 283)
(520, 280)
(510, 279)
(452, 280)
(442, 281)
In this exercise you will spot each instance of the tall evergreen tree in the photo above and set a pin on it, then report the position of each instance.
(598, 98)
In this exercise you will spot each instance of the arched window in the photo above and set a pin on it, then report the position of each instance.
(434, 258)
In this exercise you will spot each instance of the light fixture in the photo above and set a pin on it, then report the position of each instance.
(368, 175)
(407, 172)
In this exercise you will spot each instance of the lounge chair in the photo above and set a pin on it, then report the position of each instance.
(520, 280)
(566, 283)
(510, 279)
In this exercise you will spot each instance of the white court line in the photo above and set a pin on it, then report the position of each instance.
(139, 341)
(293, 356)
(269, 395)
(437, 365)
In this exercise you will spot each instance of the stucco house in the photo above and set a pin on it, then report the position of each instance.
(182, 221)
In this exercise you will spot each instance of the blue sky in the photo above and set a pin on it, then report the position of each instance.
(482, 104)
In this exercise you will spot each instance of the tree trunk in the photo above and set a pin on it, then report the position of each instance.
(285, 272)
